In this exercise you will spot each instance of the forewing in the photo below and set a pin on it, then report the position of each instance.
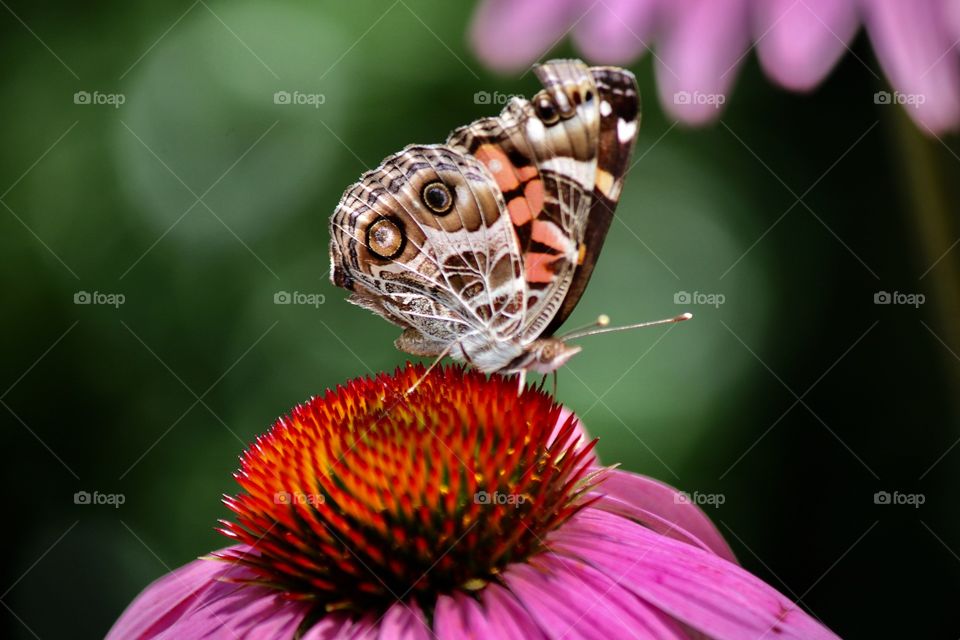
(559, 168)
(619, 101)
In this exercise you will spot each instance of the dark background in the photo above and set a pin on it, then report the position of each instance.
(796, 400)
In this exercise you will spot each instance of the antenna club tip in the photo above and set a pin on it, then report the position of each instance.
(684, 316)
(603, 320)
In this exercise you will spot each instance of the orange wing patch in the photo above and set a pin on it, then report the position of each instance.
(520, 212)
(538, 266)
(533, 192)
(546, 232)
(504, 172)
(509, 178)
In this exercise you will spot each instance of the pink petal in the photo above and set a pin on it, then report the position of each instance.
(460, 616)
(573, 600)
(616, 31)
(165, 600)
(509, 35)
(549, 603)
(230, 611)
(799, 41)
(953, 18)
(698, 57)
(342, 626)
(579, 430)
(194, 601)
(506, 616)
(662, 509)
(697, 588)
(917, 53)
(404, 622)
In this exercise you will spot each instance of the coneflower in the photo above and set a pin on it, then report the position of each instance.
(459, 510)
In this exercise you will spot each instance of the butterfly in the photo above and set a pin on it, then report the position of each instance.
(481, 247)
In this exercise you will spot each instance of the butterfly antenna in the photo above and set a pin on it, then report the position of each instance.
(601, 321)
(440, 357)
(600, 326)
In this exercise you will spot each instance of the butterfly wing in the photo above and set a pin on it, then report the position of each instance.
(619, 101)
(448, 271)
(559, 160)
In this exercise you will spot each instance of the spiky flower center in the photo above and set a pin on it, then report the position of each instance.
(366, 495)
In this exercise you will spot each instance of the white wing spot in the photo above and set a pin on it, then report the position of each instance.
(495, 165)
(605, 108)
(626, 130)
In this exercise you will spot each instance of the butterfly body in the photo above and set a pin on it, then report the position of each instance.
(481, 247)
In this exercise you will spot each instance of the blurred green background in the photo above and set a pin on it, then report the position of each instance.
(199, 199)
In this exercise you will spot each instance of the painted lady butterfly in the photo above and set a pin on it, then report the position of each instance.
(481, 247)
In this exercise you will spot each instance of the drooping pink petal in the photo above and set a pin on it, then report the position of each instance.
(616, 31)
(506, 616)
(460, 616)
(227, 611)
(698, 56)
(404, 621)
(197, 600)
(165, 600)
(509, 35)
(698, 588)
(799, 41)
(545, 597)
(953, 19)
(918, 55)
(573, 600)
(661, 508)
(343, 626)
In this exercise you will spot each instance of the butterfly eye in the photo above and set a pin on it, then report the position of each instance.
(545, 109)
(436, 195)
(385, 239)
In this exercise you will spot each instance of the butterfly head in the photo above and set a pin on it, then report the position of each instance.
(547, 354)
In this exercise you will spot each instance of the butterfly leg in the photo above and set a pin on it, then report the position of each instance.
(554, 383)
(522, 381)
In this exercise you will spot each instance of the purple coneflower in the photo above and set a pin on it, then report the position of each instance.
(458, 511)
(700, 45)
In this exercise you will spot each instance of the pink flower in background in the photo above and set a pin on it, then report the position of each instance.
(799, 43)
(700, 45)
(458, 511)
(916, 43)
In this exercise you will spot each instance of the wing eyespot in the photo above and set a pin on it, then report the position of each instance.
(386, 238)
(437, 197)
(545, 109)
